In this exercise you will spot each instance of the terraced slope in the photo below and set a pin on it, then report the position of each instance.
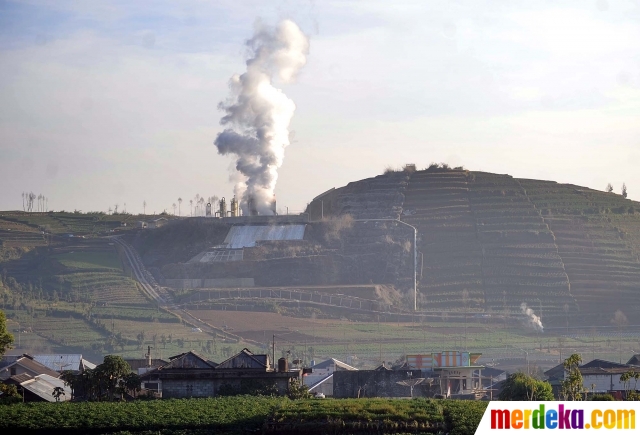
(489, 242)
(521, 262)
(438, 205)
(380, 197)
(599, 256)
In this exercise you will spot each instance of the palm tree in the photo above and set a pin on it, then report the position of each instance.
(174, 208)
(191, 204)
(179, 204)
(144, 207)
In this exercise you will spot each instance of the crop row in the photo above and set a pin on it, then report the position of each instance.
(243, 414)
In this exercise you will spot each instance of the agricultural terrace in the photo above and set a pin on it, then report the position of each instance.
(367, 344)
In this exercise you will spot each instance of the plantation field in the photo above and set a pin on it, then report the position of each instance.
(179, 338)
(367, 344)
(90, 260)
(246, 414)
(68, 331)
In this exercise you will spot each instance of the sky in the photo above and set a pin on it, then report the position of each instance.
(116, 102)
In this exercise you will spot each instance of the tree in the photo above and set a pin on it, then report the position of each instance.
(520, 386)
(57, 392)
(297, 390)
(174, 208)
(9, 394)
(129, 383)
(70, 380)
(609, 188)
(6, 339)
(111, 371)
(624, 190)
(179, 204)
(191, 204)
(572, 385)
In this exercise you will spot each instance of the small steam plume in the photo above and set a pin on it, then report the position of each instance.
(258, 114)
(531, 320)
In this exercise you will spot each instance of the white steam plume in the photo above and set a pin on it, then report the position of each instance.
(258, 114)
(531, 320)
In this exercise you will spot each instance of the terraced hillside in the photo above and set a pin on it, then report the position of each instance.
(438, 205)
(489, 242)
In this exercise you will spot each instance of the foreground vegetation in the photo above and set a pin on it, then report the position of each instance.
(242, 414)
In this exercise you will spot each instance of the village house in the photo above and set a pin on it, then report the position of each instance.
(320, 381)
(598, 376)
(191, 375)
(26, 364)
(39, 388)
(61, 362)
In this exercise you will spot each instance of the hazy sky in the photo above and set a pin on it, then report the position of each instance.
(113, 102)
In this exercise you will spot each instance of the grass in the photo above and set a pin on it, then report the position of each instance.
(90, 260)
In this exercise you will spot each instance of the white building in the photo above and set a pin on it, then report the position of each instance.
(321, 378)
(604, 380)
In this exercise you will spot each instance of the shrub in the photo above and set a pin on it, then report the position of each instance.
(601, 397)
(520, 386)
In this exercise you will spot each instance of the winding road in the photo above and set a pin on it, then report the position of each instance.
(162, 297)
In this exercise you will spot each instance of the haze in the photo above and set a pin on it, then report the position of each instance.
(105, 103)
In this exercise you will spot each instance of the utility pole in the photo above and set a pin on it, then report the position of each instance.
(415, 254)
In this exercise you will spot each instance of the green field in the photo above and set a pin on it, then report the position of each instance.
(90, 260)
(246, 414)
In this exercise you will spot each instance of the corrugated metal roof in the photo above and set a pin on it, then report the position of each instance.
(247, 236)
(60, 362)
(32, 366)
(43, 385)
(337, 364)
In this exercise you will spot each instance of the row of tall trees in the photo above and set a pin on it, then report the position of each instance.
(30, 200)
(624, 189)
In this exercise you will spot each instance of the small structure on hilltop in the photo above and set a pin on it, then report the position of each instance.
(157, 223)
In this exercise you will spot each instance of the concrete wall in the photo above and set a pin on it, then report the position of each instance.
(228, 282)
(604, 382)
(175, 389)
(188, 283)
(185, 388)
(373, 383)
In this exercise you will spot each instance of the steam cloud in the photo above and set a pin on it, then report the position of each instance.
(531, 320)
(258, 114)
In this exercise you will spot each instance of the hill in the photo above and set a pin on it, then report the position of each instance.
(489, 242)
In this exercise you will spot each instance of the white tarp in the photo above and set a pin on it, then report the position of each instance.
(246, 236)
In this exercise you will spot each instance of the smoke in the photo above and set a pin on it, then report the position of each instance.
(531, 320)
(258, 114)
